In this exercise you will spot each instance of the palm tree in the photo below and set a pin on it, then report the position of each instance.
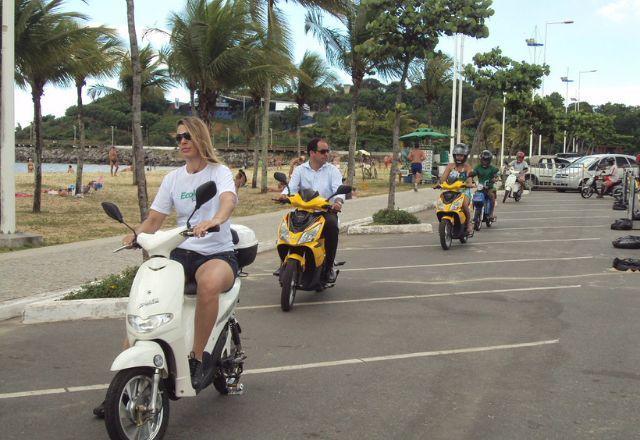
(44, 37)
(136, 104)
(312, 77)
(209, 47)
(340, 47)
(431, 78)
(95, 57)
(276, 33)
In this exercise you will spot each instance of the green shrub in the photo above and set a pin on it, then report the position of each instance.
(113, 286)
(394, 217)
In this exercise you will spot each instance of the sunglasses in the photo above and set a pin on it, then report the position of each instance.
(323, 151)
(185, 136)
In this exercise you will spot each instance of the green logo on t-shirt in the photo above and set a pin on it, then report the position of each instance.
(188, 195)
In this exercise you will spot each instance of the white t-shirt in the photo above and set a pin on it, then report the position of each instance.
(178, 190)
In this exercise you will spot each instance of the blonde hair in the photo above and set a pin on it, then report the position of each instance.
(200, 137)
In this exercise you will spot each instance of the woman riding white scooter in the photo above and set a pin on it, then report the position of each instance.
(208, 259)
(462, 171)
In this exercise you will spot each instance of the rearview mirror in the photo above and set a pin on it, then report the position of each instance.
(205, 192)
(280, 177)
(113, 211)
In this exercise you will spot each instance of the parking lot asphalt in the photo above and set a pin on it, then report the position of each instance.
(524, 332)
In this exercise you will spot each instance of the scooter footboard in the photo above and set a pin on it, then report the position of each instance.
(142, 354)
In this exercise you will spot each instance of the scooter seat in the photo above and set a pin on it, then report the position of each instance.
(190, 288)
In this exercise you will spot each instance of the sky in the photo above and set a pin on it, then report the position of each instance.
(603, 37)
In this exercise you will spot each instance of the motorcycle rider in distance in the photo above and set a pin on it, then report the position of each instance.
(320, 175)
(462, 171)
(487, 173)
(610, 176)
(521, 166)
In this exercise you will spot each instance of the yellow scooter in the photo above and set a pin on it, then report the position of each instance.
(450, 214)
(300, 240)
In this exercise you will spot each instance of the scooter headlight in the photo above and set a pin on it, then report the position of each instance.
(310, 235)
(284, 232)
(146, 325)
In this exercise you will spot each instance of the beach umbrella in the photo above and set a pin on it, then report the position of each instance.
(423, 133)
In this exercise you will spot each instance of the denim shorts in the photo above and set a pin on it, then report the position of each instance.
(191, 261)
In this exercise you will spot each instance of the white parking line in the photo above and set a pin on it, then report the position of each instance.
(365, 360)
(539, 211)
(474, 280)
(564, 240)
(404, 297)
(550, 227)
(459, 263)
(527, 219)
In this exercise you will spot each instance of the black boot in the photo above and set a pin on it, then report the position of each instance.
(98, 411)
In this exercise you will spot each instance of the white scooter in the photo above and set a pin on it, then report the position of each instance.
(512, 188)
(159, 323)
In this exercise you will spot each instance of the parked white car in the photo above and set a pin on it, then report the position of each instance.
(573, 176)
(543, 168)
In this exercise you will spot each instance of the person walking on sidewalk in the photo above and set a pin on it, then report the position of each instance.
(320, 175)
(416, 157)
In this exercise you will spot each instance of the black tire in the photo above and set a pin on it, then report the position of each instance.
(445, 230)
(561, 190)
(477, 219)
(517, 196)
(289, 280)
(586, 192)
(117, 394)
(506, 196)
(224, 377)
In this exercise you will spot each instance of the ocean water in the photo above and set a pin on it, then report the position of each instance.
(21, 167)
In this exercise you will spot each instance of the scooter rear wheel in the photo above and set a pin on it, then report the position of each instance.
(445, 229)
(477, 219)
(289, 281)
(130, 390)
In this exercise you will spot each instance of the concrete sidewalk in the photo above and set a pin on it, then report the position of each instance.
(56, 268)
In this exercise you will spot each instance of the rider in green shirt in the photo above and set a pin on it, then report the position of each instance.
(487, 174)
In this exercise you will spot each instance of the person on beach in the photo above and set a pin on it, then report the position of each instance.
(113, 161)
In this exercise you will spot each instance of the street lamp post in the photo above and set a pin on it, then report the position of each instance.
(460, 61)
(544, 61)
(7, 124)
(566, 80)
(112, 138)
(453, 99)
(504, 102)
(579, 75)
(228, 130)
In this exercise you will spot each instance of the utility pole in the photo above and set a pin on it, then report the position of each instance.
(7, 124)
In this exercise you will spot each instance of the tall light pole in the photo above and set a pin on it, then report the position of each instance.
(531, 42)
(575, 106)
(460, 64)
(453, 99)
(566, 80)
(579, 75)
(504, 112)
(112, 138)
(228, 130)
(7, 124)
(544, 61)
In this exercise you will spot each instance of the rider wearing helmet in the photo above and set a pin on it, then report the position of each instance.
(521, 166)
(462, 171)
(487, 175)
(611, 177)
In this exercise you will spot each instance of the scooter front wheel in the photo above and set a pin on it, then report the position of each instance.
(477, 219)
(445, 230)
(586, 192)
(506, 195)
(289, 285)
(127, 412)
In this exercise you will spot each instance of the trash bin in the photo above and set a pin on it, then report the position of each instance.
(444, 157)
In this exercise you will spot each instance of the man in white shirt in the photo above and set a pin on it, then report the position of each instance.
(320, 175)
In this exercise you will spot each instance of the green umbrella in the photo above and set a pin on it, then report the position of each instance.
(423, 133)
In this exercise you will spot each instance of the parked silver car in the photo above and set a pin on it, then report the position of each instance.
(573, 176)
(543, 168)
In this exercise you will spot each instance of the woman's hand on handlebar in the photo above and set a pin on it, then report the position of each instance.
(201, 229)
(129, 241)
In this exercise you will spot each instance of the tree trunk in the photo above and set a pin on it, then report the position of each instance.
(351, 161)
(37, 90)
(138, 151)
(192, 100)
(298, 123)
(483, 116)
(391, 201)
(265, 137)
(206, 104)
(256, 148)
(79, 85)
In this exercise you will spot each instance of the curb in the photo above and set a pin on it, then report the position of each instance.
(47, 307)
(390, 229)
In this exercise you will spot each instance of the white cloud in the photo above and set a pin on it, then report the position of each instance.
(620, 10)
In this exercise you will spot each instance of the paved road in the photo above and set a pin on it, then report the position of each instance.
(36, 271)
(523, 333)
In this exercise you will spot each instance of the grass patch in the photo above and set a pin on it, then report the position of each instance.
(113, 286)
(70, 219)
(394, 217)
